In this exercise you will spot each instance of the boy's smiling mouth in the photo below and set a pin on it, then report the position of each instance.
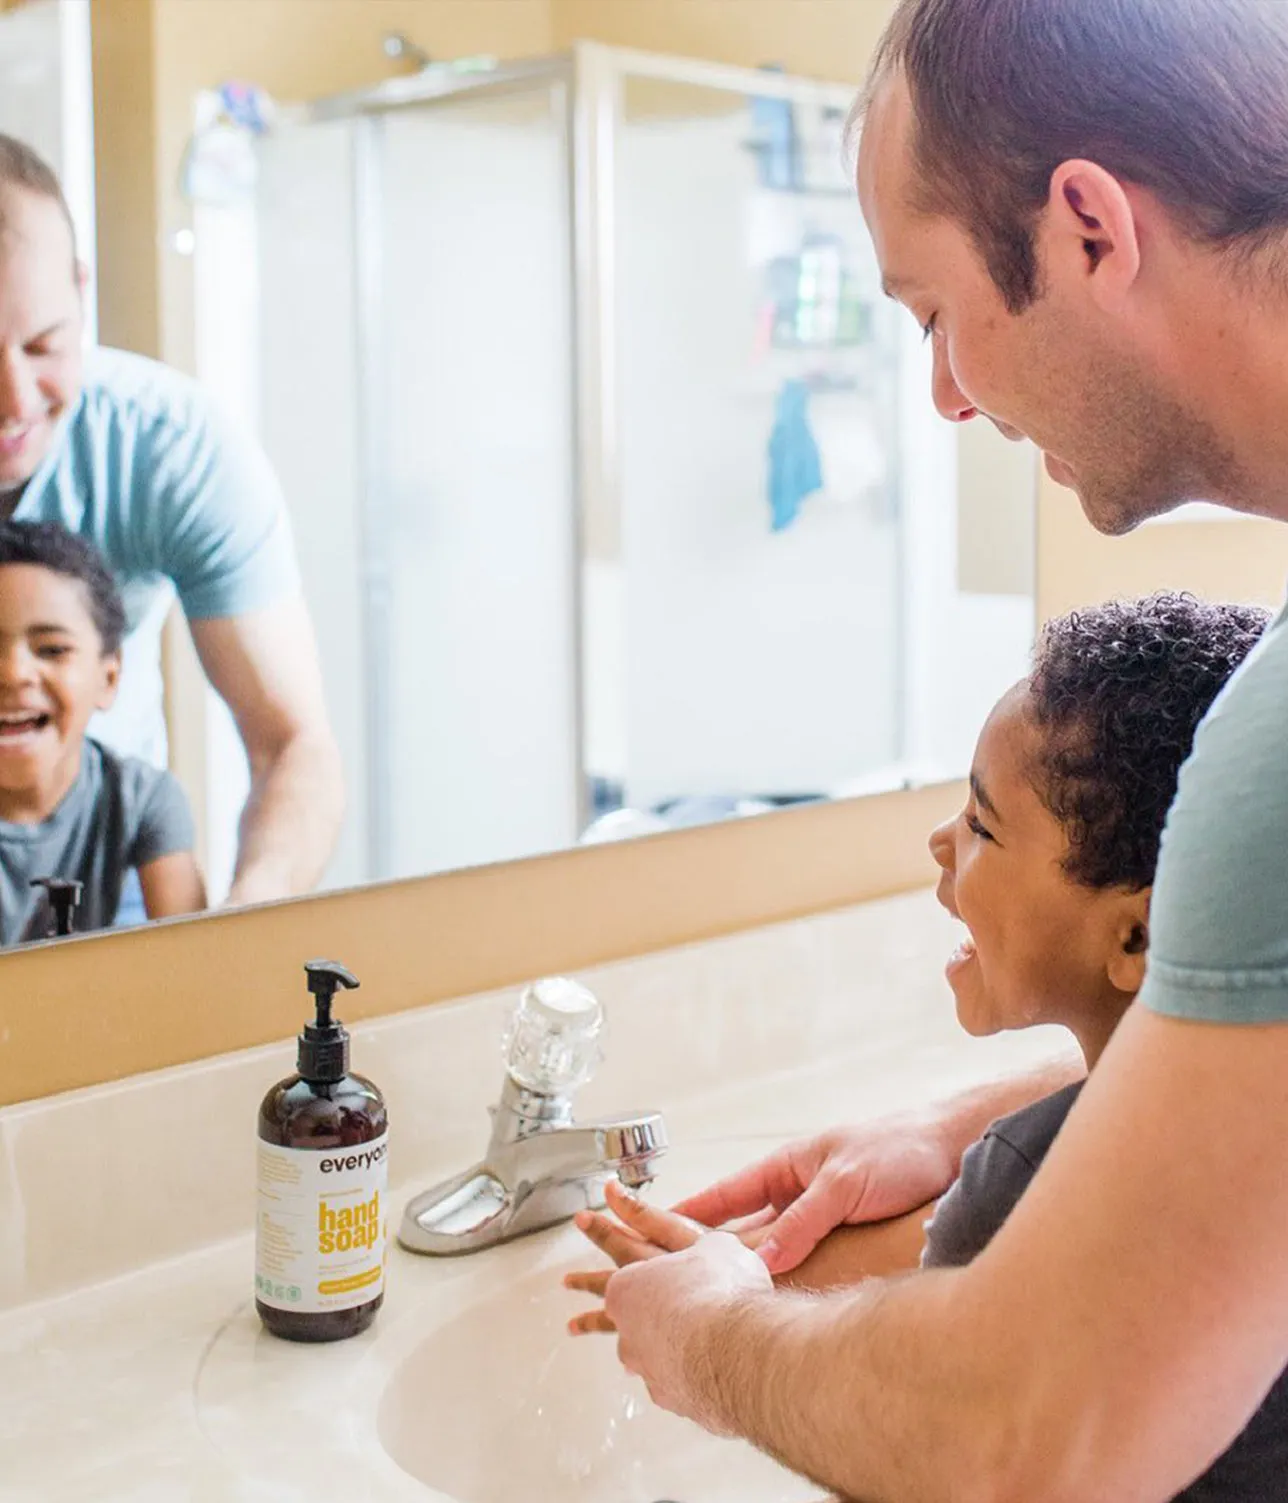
(17, 726)
(965, 951)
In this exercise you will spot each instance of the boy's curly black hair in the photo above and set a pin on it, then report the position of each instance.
(1118, 692)
(50, 546)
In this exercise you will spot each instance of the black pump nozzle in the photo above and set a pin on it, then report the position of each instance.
(324, 1043)
(64, 898)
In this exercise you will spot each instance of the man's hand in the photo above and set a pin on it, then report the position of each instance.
(662, 1308)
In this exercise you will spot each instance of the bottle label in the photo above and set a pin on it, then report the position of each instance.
(320, 1225)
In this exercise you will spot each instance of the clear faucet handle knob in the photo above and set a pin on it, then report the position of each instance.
(552, 1043)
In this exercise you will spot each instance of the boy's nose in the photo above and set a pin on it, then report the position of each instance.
(16, 666)
(943, 847)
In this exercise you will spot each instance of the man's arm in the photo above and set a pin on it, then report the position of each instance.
(1110, 1342)
(172, 885)
(870, 1172)
(264, 665)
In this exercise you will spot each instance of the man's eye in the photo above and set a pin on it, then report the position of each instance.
(53, 650)
(974, 826)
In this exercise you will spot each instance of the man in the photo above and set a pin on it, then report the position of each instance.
(126, 453)
(1085, 204)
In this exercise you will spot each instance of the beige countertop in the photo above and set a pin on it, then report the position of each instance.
(159, 1383)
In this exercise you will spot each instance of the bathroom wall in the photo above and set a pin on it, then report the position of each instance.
(1239, 558)
(830, 39)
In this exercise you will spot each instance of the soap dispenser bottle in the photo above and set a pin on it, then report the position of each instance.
(320, 1223)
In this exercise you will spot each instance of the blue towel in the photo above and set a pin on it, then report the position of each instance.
(795, 470)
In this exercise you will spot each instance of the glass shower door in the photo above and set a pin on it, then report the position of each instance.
(473, 535)
(748, 580)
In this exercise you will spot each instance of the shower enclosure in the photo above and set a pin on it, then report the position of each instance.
(613, 476)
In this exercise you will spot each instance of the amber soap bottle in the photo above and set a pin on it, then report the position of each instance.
(320, 1220)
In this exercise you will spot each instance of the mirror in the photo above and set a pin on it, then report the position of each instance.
(612, 542)
(617, 495)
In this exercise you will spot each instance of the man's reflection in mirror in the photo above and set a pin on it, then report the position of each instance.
(71, 810)
(131, 457)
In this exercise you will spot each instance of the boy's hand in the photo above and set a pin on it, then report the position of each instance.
(875, 1171)
(641, 1231)
(844, 1177)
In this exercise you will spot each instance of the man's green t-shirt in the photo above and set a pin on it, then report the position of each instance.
(1218, 932)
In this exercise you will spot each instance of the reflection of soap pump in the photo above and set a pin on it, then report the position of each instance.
(64, 898)
(320, 1227)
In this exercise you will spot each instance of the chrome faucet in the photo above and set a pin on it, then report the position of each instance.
(541, 1166)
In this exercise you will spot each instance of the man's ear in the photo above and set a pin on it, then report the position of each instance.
(1091, 232)
(111, 681)
(1131, 941)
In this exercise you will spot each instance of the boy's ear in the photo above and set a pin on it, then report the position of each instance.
(111, 681)
(1131, 941)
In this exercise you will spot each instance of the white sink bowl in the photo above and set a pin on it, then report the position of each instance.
(501, 1405)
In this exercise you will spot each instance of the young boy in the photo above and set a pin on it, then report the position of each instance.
(1049, 865)
(69, 808)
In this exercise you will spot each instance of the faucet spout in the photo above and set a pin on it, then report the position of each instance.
(540, 1168)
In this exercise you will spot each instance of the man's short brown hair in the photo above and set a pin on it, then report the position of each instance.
(26, 170)
(1187, 98)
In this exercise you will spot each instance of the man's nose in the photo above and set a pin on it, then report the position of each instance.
(19, 394)
(950, 401)
(943, 846)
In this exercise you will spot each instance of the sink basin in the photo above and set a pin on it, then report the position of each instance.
(500, 1405)
(469, 1389)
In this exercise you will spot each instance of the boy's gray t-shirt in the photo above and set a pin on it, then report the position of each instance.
(995, 1173)
(1218, 922)
(120, 813)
